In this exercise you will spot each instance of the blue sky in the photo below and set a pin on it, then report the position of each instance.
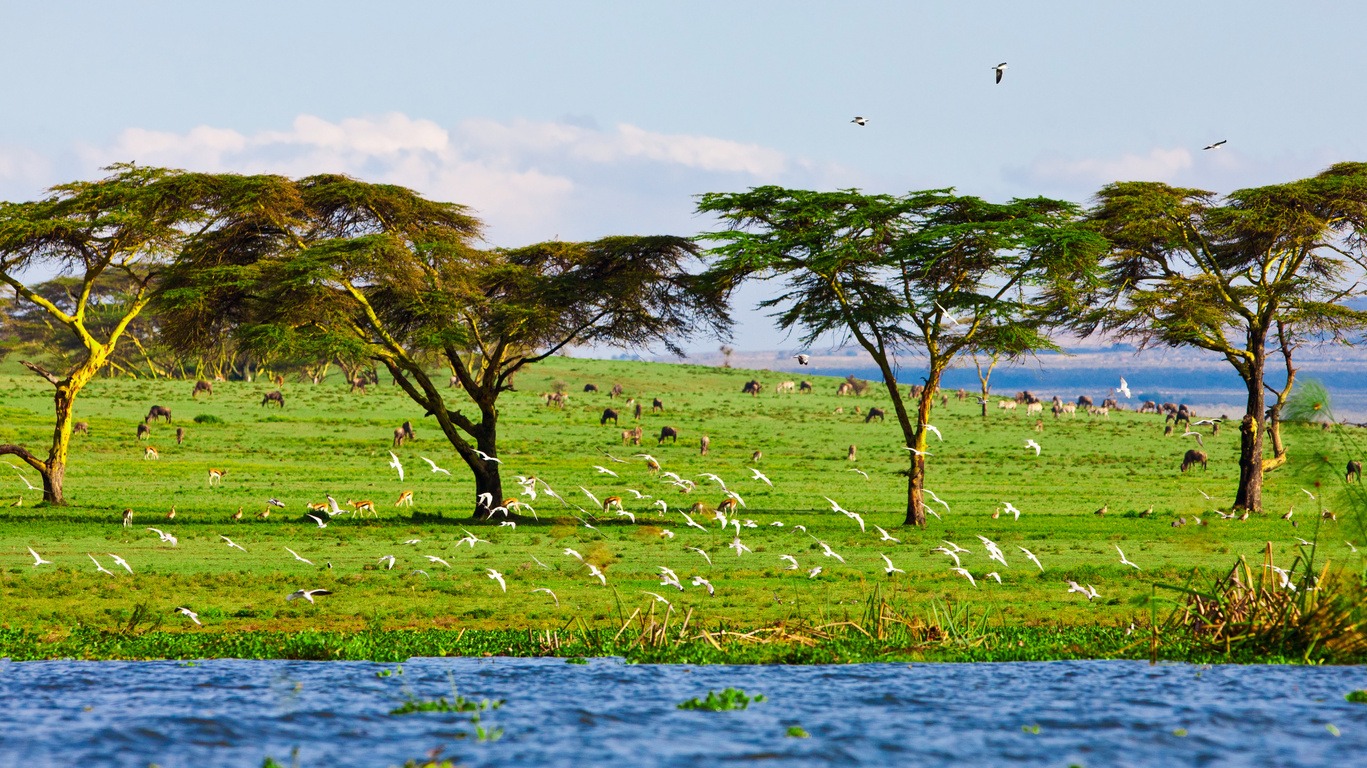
(584, 119)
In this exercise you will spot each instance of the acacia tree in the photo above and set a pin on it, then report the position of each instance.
(366, 271)
(930, 273)
(1188, 269)
(119, 230)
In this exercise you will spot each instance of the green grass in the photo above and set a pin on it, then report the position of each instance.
(327, 440)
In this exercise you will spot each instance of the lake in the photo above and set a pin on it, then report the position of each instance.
(606, 712)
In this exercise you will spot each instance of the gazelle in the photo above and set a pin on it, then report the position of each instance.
(405, 499)
(127, 518)
(150, 453)
(362, 506)
(321, 506)
(610, 502)
(728, 506)
(216, 475)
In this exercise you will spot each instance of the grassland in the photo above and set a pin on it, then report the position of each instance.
(327, 440)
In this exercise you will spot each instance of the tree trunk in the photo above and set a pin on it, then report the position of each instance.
(1250, 492)
(64, 403)
(916, 475)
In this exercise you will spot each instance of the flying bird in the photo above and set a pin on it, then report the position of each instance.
(658, 598)
(813, 573)
(190, 614)
(1033, 444)
(964, 573)
(1012, 509)
(1215, 145)
(889, 567)
(1124, 560)
(98, 567)
(804, 359)
(389, 562)
(828, 552)
(699, 581)
(573, 554)
(1089, 591)
(1124, 388)
(604, 470)
(792, 562)
(739, 546)
(760, 476)
(860, 471)
(231, 543)
(274, 502)
(317, 520)
(552, 594)
(394, 462)
(496, 576)
(434, 559)
(949, 552)
(597, 574)
(934, 429)
(297, 557)
(307, 594)
(119, 561)
(37, 559)
(166, 537)
(861, 121)
(691, 522)
(1000, 69)
(702, 552)
(995, 575)
(484, 456)
(1031, 556)
(918, 453)
(436, 468)
(886, 536)
(592, 498)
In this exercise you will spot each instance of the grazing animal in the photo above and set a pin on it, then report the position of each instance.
(1035, 407)
(705, 442)
(216, 476)
(1007, 405)
(805, 387)
(668, 432)
(127, 518)
(1354, 472)
(756, 456)
(202, 386)
(362, 506)
(405, 499)
(590, 388)
(961, 394)
(1070, 409)
(840, 409)
(851, 455)
(1039, 425)
(608, 414)
(275, 396)
(358, 383)
(874, 413)
(1149, 406)
(615, 391)
(636, 411)
(455, 382)
(632, 436)
(556, 399)
(1084, 401)
(144, 431)
(785, 387)
(156, 413)
(149, 452)
(180, 435)
(398, 437)
(657, 406)
(1192, 458)
(845, 388)
(752, 388)
(80, 428)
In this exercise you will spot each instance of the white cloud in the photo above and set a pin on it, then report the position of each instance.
(21, 168)
(529, 180)
(1158, 164)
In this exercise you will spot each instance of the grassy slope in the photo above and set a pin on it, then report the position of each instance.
(327, 440)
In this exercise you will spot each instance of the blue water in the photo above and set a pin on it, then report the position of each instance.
(1097, 713)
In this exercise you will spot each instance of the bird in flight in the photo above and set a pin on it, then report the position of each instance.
(394, 462)
(317, 520)
(813, 573)
(860, 471)
(119, 561)
(552, 594)
(307, 594)
(297, 556)
(484, 456)
(935, 430)
(1124, 560)
(1000, 69)
(190, 614)
(658, 597)
(496, 576)
(604, 470)
(274, 502)
(702, 552)
(1089, 591)
(231, 543)
(434, 559)
(1031, 556)
(760, 476)
(886, 536)
(1124, 388)
(1012, 509)
(918, 453)
(889, 568)
(861, 121)
(792, 562)
(166, 537)
(597, 574)
(801, 359)
(1215, 145)
(699, 581)
(434, 466)
(37, 559)
(1033, 444)
(964, 573)
(98, 567)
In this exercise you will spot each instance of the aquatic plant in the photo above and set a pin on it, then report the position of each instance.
(456, 704)
(796, 732)
(730, 698)
(1357, 697)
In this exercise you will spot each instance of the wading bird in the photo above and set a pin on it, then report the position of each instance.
(949, 552)
(573, 554)
(738, 545)
(934, 429)
(1012, 509)
(1124, 388)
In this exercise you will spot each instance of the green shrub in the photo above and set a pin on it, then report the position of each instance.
(208, 418)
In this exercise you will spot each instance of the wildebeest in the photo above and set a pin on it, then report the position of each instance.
(615, 391)
(704, 443)
(874, 413)
(158, 412)
(751, 387)
(805, 388)
(608, 413)
(916, 390)
(668, 432)
(202, 386)
(144, 431)
(1110, 404)
(590, 388)
(658, 406)
(1084, 401)
(403, 433)
(556, 399)
(852, 454)
(180, 435)
(636, 412)
(274, 397)
(80, 428)
(1354, 472)
(1192, 458)
(358, 383)
(1149, 406)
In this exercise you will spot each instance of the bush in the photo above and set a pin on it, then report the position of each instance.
(207, 418)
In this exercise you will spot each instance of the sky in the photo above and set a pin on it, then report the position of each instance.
(578, 120)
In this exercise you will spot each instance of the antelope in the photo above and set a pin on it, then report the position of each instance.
(728, 506)
(180, 435)
(357, 383)
(80, 428)
(1354, 472)
(202, 386)
(216, 476)
(850, 456)
(405, 499)
(610, 502)
(321, 506)
(148, 452)
(1070, 409)
(633, 435)
(127, 518)
(874, 413)
(157, 413)
(1006, 405)
(705, 442)
(615, 391)
(361, 506)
